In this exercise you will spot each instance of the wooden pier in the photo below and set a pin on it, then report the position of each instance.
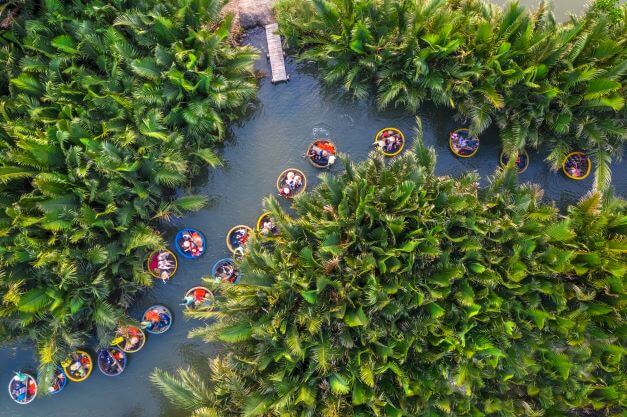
(275, 53)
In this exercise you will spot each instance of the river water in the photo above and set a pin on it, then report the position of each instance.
(562, 8)
(273, 137)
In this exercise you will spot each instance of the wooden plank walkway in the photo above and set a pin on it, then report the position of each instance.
(275, 52)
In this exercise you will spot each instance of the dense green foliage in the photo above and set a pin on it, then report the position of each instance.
(105, 108)
(561, 86)
(396, 292)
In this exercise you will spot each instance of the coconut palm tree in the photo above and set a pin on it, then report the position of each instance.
(396, 291)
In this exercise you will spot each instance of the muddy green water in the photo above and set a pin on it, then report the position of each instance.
(273, 137)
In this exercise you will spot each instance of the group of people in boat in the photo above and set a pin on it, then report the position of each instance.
(268, 226)
(157, 319)
(322, 153)
(577, 165)
(389, 141)
(191, 243)
(22, 388)
(131, 338)
(162, 264)
(197, 297)
(58, 381)
(462, 143)
(79, 366)
(239, 237)
(226, 271)
(112, 361)
(291, 184)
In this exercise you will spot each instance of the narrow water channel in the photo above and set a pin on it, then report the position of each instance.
(273, 137)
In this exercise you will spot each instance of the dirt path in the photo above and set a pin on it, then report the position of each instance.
(251, 13)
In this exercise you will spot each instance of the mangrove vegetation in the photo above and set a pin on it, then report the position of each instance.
(555, 86)
(384, 289)
(106, 108)
(396, 292)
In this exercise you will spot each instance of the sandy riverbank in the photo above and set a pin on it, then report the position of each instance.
(251, 13)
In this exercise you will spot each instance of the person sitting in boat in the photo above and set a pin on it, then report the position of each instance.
(322, 158)
(380, 143)
(131, 343)
(238, 253)
(298, 181)
(285, 191)
(318, 155)
(394, 144)
(188, 300)
(186, 243)
(164, 261)
(197, 240)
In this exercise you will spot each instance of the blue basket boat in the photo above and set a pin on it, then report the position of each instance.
(190, 243)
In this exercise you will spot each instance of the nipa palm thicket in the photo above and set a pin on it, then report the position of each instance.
(105, 108)
(395, 292)
(555, 86)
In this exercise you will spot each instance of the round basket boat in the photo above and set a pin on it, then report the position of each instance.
(190, 243)
(59, 381)
(157, 319)
(238, 236)
(522, 163)
(198, 297)
(111, 361)
(462, 143)
(289, 185)
(22, 388)
(225, 270)
(162, 264)
(321, 153)
(130, 339)
(577, 166)
(78, 366)
(390, 141)
(266, 226)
